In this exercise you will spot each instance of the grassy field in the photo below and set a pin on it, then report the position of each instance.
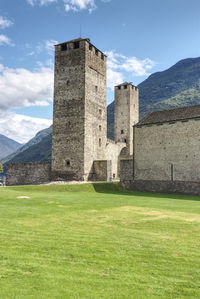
(98, 241)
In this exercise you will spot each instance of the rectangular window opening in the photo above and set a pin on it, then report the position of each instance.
(125, 86)
(172, 172)
(122, 131)
(119, 87)
(68, 163)
(76, 45)
(100, 111)
(99, 142)
(96, 88)
(90, 47)
(99, 127)
(96, 52)
(102, 56)
(64, 47)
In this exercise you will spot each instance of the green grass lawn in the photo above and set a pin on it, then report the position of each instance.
(98, 241)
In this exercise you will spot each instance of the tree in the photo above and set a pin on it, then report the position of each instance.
(1, 168)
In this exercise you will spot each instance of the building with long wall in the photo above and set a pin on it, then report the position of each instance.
(166, 153)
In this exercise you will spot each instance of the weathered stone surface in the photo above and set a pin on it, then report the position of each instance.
(168, 187)
(28, 173)
(102, 170)
(126, 170)
(79, 122)
(167, 152)
(126, 113)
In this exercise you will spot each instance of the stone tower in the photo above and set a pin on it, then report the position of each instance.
(126, 113)
(80, 109)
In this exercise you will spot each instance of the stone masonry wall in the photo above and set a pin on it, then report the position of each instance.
(126, 172)
(113, 151)
(167, 152)
(102, 170)
(28, 173)
(168, 187)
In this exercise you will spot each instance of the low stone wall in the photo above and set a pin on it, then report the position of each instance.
(169, 187)
(28, 173)
(102, 170)
(126, 170)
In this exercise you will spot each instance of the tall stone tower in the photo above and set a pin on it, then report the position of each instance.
(80, 109)
(126, 113)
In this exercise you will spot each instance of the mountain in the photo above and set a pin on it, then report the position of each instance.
(175, 87)
(178, 86)
(7, 146)
(39, 152)
(33, 142)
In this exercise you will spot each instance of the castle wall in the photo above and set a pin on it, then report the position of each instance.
(126, 171)
(113, 151)
(167, 152)
(28, 173)
(168, 187)
(102, 170)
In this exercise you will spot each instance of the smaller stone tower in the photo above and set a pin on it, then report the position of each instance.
(126, 113)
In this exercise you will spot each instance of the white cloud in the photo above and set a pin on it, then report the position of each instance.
(40, 2)
(113, 78)
(119, 64)
(77, 5)
(47, 45)
(23, 88)
(4, 40)
(5, 23)
(20, 127)
(71, 5)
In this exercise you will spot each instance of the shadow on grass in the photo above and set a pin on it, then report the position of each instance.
(116, 188)
(106, 188)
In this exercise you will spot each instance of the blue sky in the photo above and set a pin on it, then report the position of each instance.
(140, 37)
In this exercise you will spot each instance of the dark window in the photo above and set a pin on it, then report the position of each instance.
(122, 131)
(67, 82)
(76, 45)
(172, 172)
(119, 87)
(125, 86)
(63, 47)
(99, 142)
(99, 127)
(102, 56)
(90, 47)
(100, 111)
(96, 52)
(68, 163)
(125, 140)
(96, 88)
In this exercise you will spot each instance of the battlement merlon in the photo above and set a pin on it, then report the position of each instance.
(125, 85)
(75, 44)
